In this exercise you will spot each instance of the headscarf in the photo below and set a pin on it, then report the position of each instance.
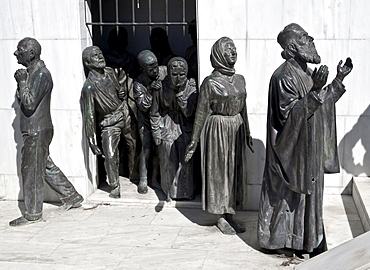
(218, 60)
(177, 59)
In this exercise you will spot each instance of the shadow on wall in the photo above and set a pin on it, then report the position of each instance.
(351, 154)
(255, 167)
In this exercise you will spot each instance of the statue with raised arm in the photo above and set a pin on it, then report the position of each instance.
(301, 146)
(222, 96)
(101, 92)
(172, 124)
(34, 86)
(145, 85)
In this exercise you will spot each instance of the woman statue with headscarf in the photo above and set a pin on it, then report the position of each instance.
(171, 118)
(222, 96)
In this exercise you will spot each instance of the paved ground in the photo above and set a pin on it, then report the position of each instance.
(142, 232)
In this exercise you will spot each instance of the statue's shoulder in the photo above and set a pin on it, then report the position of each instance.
(109, 70)
(162, 72)
(282, 72)
(88, 86)
(240, 77)
(192, 82)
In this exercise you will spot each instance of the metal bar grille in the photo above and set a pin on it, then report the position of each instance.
(150, 15)
(135, 5)
(101, 16)
(133, 15)
(117, 16)
(166, 15)
(183, 18)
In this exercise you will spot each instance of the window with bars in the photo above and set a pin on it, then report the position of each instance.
(139, 17)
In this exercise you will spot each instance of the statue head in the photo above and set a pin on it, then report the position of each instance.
(297, 43)
(92, 58)
(28, 51)
(177, 72)
(224, 56)
(148, 63)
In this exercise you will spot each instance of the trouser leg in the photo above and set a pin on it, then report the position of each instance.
(56, 179)
(110, 140)
(130, 142)
(34, 156)
(146, 144)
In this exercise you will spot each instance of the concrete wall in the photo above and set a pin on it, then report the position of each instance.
(339, 29)
(338, 26)
(59, 27)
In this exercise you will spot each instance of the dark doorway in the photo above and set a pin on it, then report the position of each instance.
(139, 18)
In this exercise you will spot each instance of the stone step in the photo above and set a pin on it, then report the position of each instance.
(129, 196)
(354, 254)
(361, 196)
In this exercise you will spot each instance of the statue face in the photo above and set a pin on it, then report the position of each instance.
(23, 54)
(230, 53)
(96, 59)
(177, 74)
(151, 69)
(306, 48)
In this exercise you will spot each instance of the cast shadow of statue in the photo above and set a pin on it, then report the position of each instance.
(355, 163)
(247, 218)
(19, 143)
(358, 134)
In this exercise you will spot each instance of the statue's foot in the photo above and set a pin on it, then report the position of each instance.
(115, 193)
(22, 221)
(168, 199)
(142, 188)
(237, 227)
(225, 227)
(287, 252)
(67, 206)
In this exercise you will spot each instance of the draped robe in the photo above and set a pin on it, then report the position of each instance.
(300, 147)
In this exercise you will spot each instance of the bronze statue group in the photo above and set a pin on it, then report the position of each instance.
(175, 118)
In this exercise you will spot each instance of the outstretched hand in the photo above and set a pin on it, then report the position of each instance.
(343, 71)
(190, 149)
(94, 148)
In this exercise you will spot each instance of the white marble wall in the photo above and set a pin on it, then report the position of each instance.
(338, 26)
(340, 30)
(60, 29)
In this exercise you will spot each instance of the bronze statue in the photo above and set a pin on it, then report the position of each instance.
(144, 86)
(172, 124)
(101, 92)
(226, 135)
(301, 146)
(34, 86)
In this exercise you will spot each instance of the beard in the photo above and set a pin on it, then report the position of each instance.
(309, 54)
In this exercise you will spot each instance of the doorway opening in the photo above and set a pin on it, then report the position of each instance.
(139, 19)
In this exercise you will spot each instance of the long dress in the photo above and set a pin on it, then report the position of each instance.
(172, 122)
(224, 147)
(300, 147)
